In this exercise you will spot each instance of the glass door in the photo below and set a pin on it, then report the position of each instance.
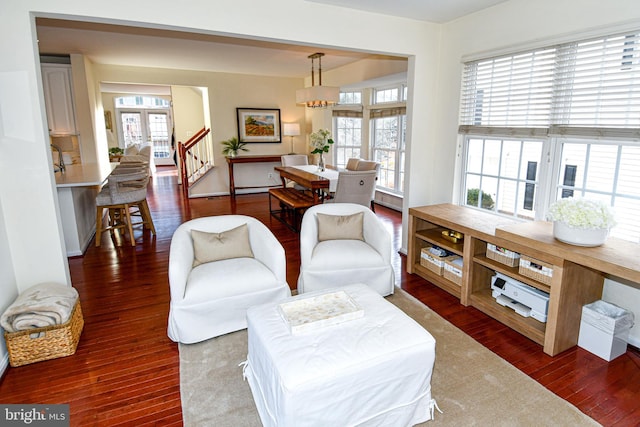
(132, 130)
(150, 126)
(160, 136)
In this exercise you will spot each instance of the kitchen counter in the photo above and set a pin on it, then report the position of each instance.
(84, 175)
(78, 187)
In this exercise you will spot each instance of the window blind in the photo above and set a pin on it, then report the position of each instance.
(585, 88)
(352, 112)
(378, 113)
(598, 87)
(512, 92)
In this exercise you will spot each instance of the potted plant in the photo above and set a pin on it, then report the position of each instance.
(581, 222)
(320, 142)
(232, 146)
(115, 152)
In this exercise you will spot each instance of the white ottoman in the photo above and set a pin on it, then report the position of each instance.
(373, 371)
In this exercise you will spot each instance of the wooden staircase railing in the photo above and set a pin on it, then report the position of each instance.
(196, 158)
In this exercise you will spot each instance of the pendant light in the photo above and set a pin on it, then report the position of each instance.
(317, 96)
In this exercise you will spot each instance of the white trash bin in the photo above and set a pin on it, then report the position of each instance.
(604, 329)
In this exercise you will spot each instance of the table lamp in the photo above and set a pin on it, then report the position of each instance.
(291, 130)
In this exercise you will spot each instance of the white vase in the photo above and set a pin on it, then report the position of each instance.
(579, 236)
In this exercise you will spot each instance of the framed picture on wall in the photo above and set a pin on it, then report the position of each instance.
(258, 124)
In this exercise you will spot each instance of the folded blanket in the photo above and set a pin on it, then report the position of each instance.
(46, 304)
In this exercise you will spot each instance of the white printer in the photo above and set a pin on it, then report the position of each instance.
(524, 299)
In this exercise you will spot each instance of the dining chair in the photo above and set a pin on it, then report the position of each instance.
(355, 187)
(352, 164)
(295, 160)
(367, 165)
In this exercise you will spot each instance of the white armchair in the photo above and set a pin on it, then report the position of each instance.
(212, 298)
(344, 261)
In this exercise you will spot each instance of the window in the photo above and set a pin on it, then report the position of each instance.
(140, 101)
(555, 122)
(348, 132)
(379, 135)
(347, 125)
(386, 95)
(607, 171)
(396, 93)
(353, 98)
(347, 128)
(501, 175)
(388, 147)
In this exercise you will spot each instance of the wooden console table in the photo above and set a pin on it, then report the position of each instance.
(270, 158)
(577, 278)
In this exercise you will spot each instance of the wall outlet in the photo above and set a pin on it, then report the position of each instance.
(270, 175)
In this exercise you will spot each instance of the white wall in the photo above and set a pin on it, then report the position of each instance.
(8, 281)
(626, 295)
(188, 111)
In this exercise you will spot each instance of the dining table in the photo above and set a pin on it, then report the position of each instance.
(310, 177)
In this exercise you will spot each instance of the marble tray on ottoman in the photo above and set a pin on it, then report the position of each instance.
(319, 311)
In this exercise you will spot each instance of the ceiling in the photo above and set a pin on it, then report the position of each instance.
(439, 11)
(146, 47)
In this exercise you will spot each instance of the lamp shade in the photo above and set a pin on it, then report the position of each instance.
(317, 96)
(291, 129)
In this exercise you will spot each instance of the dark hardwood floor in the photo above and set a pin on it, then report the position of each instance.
(126, 370)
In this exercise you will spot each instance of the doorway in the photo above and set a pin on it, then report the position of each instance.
(147, 121)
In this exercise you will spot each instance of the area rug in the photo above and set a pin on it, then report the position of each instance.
(472, 386)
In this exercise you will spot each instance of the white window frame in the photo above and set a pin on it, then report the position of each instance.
(354, 150)
(398, 153)
(349, 97)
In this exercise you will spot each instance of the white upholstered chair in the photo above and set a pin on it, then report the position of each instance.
(212, 298)
(295, 160)
(352, 164)
(367, 165)
(344, 260)
(355, 187)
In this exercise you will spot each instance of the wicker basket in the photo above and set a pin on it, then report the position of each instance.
(502, 255)
(536, 269)
(51, 342)
(453, 271)
(433, 262)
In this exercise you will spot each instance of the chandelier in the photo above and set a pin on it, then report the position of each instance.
(317, 96)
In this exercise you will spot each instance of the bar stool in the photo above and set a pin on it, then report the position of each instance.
(125, 189)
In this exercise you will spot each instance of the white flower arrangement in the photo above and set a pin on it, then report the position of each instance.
(320, 141)
(586, 214)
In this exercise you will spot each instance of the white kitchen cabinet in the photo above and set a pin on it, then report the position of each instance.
(58, 96)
